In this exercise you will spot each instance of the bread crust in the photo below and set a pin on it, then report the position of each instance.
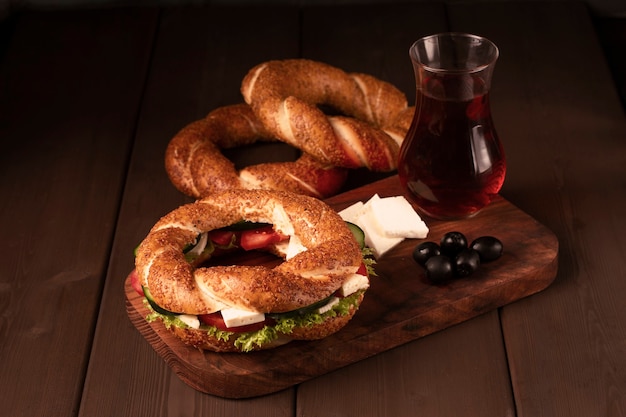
(285, 95)
(197, 167)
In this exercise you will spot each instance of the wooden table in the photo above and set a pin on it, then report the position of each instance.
(90, 99)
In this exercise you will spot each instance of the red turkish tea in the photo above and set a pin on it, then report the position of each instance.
(451, 161)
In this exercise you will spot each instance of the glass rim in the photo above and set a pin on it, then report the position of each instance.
(478, 68)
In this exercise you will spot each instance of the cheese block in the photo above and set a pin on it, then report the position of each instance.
(395, 217)
(354, 283)
(386, 222)
(190, 320)
(378, 242)
(352, 213)
(234, 317)
(326, 307)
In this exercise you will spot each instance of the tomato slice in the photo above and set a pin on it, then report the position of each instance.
(216, 320)
(221, 237)
(260, 238)
(362, 269)
(134, 282)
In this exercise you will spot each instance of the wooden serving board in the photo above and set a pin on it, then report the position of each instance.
(399, 307)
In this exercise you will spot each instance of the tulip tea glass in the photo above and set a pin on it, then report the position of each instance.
(451, 162)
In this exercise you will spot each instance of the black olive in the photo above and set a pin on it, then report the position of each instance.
(452, 243)
(466, 262)
(439, 269)
(488, 247)
(424, 251)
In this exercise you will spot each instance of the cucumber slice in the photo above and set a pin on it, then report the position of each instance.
(358, 233)
(301, 311)
(154, 305)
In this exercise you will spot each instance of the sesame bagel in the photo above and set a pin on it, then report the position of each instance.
(197, 167)
(319, 255)
(285, 95)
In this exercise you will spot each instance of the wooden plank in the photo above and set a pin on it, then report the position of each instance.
(71, 85)
(376, 39)
(201, 55)
(424, 377)
(563, 128)
(400, 305)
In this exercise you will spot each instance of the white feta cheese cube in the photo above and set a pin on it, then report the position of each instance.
(326, 307)
(234, 317)
(378, 242)
(352, 213)
(369, 202)
(395, 217)
(385, 221)
(354, 283)
(190, 320)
